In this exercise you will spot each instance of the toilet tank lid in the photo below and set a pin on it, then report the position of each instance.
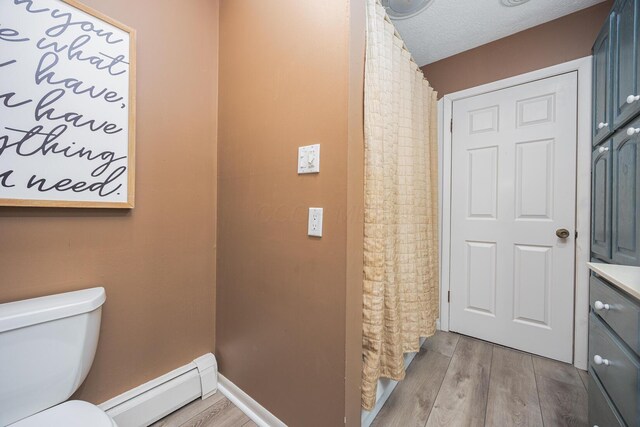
(19, 314)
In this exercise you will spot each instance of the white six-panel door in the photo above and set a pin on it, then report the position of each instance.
(513, 187)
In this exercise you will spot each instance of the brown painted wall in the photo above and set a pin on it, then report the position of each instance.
(282, 298)
(157, 261)
(554, 42)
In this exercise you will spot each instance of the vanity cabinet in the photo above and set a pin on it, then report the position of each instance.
(614, 363)
(602, 123)
(626, 61)
(602, 412)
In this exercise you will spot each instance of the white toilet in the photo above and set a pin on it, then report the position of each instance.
(47, 346)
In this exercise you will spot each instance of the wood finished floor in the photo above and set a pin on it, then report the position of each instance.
(215, 411)
(459, 381)
(453, 381)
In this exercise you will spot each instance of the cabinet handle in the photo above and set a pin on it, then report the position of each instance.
(633, 131)
(632, 98)
(603, 149)
(602, 125)
(598, 360)
(598, 305)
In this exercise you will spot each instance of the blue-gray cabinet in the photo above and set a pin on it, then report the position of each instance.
(601, 172)
(614, 323)
(625, 242)
(614, 365)
(626, 61)
(602, 412)
(615, 206)
(602, 65)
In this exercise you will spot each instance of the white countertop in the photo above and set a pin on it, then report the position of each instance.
(625, 277)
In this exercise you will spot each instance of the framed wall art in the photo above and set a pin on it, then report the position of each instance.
(67, 106)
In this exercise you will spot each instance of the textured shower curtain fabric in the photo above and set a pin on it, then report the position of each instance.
(401, 206)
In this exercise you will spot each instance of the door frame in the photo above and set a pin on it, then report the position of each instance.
(583, 190)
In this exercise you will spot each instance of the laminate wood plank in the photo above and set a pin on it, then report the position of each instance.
(233, 418)
(481, 382)
(222, 414)
(411, 401)
(562, 404)
(442, 342)
(189, 411)
(513, 395)
(555, 370)
(463, 395)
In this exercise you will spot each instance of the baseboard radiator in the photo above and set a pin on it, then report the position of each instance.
(161, 396)
(157, 398)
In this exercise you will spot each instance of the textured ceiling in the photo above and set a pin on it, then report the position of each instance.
(448, 27)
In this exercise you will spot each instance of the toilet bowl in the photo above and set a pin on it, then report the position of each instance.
(47, 346)
(74, 413)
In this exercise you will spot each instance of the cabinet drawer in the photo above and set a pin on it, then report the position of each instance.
(623, 315)
(601, 411)
(616, 368)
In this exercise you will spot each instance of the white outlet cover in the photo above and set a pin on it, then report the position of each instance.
(315, 222)
(309, 159)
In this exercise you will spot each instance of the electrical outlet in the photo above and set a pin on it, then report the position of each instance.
(315, 222)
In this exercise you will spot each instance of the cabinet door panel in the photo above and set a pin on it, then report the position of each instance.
(625, 208)
(626, 60)
(601, 202)
(602, 52)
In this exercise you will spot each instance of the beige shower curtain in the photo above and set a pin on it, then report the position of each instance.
(401, 206)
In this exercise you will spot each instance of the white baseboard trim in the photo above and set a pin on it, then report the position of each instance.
(258, 413)
(385, 387)
(153, 400)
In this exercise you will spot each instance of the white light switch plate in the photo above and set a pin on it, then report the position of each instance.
(309, 159)
(315, 222)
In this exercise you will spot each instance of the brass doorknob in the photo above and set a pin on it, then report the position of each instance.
(562, 233)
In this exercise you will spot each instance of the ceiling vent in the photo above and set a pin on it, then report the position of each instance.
(403, 9)
(511, 3)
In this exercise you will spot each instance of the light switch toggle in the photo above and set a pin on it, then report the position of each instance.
(309, 159)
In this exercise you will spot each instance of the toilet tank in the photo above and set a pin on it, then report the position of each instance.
(47, 346)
